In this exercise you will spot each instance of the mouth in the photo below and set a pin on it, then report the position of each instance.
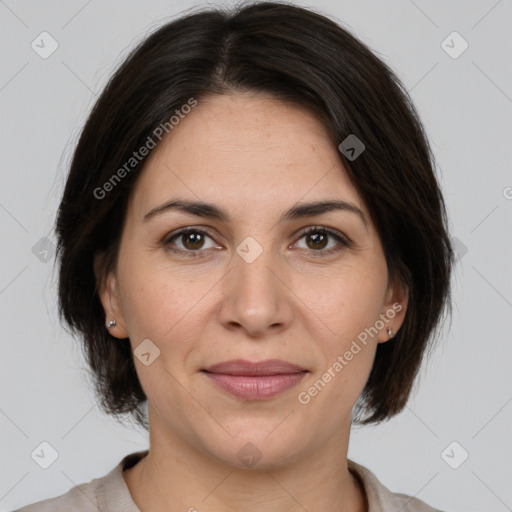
(255, 380)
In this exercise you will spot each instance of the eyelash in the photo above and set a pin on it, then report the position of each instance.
(345, 243)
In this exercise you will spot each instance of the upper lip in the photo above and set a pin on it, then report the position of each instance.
(243, 367)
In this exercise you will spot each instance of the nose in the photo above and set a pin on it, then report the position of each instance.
(256, 298)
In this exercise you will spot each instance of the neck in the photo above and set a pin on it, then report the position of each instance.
(176, 476)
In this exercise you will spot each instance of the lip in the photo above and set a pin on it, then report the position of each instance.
(244, 367)
(255, 380)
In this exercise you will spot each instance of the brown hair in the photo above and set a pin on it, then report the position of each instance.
(296, 55)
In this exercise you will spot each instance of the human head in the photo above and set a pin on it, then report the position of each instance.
(296, 56)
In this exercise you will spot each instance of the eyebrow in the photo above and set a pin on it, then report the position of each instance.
(211, 211)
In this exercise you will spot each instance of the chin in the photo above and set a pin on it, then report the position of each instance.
(260, 447)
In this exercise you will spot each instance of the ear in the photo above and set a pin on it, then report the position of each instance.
(108, 291)
(393, 311)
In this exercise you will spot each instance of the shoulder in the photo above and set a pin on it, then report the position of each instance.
(82, 497)
(106, 494)
(381, 499)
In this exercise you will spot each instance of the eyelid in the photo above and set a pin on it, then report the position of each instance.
(183, 231)
(330, 231)
(341, 238)
(344, 242)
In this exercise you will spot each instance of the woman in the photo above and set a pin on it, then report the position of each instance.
(253, 244)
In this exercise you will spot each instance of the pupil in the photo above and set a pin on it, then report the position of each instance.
(318, 240)
(193, 240)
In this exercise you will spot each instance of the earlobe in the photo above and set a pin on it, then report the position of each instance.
(394, 310)
(108, 292)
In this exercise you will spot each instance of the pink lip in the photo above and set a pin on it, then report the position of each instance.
(255, 381)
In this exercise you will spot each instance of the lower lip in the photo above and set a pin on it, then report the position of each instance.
(255, 387)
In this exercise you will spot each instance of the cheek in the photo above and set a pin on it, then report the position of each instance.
(341, 306)
(346, 300)
(162, 303)
(170, 310)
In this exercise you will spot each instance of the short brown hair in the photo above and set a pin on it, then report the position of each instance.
(296, 55)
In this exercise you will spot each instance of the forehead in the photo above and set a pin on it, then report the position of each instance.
(245, 150)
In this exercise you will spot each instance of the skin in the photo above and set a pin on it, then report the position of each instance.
(256, 157)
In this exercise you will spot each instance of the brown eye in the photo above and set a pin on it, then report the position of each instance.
(192, 240)
(323, 241)
(316, 240)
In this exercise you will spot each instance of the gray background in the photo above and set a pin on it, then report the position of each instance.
(466, 105)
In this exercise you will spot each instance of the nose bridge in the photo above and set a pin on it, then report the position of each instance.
(253, 262)
(255, 298)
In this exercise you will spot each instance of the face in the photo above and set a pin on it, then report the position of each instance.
(253, 277)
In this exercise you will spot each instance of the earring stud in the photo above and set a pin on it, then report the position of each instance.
(111, 324)
(390, 333)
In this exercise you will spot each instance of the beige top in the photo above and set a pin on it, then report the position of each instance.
(110, 494)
